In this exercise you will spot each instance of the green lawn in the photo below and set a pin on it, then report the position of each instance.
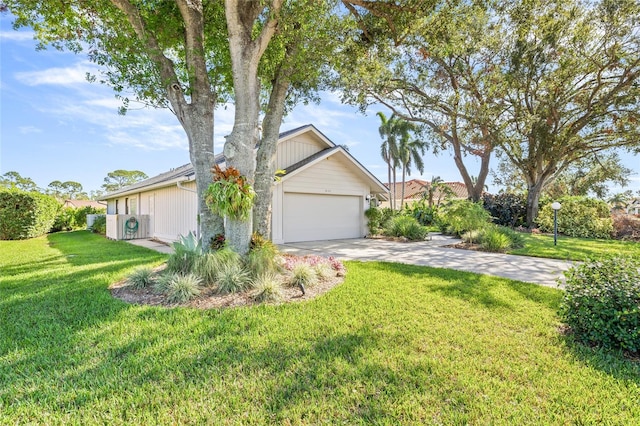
(569, 248)
(394, 344)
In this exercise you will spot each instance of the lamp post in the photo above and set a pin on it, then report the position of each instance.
(555, 206)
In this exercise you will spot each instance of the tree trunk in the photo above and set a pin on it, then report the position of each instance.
(394, 189)
(533, 198)
(473, 191)
(266, 165)
(404, 174)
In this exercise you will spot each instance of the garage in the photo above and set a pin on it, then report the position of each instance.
(311, 217)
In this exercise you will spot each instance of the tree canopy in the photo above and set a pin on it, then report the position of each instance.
(13, 180)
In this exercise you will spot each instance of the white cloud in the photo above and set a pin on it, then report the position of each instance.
(16, 35)
(25, 130)
(67, 76)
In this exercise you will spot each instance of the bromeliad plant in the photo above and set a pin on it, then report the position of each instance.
(230, 194)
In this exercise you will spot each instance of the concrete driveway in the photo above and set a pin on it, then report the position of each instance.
(432, 253)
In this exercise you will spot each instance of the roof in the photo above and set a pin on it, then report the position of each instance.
(187, 172)
(414, 188)
(78, 204)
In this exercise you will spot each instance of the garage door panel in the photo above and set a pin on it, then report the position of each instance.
(310, 217)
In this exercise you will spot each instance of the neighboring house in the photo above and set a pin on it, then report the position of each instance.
(634, 206)
(79, 204)
(322, 196)
(415, 188)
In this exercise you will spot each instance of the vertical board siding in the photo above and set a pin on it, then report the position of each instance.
(175, 212)
(295, 150)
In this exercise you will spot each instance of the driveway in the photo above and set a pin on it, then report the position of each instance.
(432, 253)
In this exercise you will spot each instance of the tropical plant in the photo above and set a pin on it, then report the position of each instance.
(495, 241)
(406, 226)
(186, 251)
(141, 278)
(463, 216)
(183, 288)
(601, 303)
(230, 194)
(389, 152)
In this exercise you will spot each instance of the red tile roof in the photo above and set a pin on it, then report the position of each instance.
(415, 187)
(77, 204)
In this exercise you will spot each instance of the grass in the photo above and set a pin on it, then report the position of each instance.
(570, 248)
(394, 344)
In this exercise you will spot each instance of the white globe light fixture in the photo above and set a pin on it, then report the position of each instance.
(555, 206)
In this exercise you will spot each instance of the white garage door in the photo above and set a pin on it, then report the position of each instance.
(310, 217)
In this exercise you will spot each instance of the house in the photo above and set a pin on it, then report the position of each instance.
(80, 204)
(322, 196)
(415, 188)
(634, 206)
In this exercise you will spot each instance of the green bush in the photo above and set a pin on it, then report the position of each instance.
(495, 241)
(601, 303)
(507, 208)
(25, 214)
(162, 283)
(261, 258)
(406, 226)
(99, 225)
(421, 211)
(374, 217)
(463, 216)
(579, 217)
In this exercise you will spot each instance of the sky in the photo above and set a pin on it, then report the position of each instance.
(55, 125)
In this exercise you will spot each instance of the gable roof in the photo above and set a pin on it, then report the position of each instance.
(187, 172)
(77, 204)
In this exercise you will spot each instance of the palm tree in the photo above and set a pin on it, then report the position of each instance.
(410, 152)
(389, 150)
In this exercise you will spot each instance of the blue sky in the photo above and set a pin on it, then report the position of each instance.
(57, 126)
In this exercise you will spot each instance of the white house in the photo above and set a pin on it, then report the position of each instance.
(323, 195)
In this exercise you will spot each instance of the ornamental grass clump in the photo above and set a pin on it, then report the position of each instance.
(406, 226)
(162, 282)
(141, 278)
(303, 275)
(601, 303)
(186, 252)
(230, 194)
(269, 288)
(262, 256)
(183, 288)
(232, 278)
(209, 265)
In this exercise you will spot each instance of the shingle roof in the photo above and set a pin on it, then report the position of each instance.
(309, 159)
(77, 204)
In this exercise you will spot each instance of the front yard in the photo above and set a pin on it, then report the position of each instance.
(393, 344)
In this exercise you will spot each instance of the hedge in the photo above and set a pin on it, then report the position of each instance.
(25, 214)
(579, 217)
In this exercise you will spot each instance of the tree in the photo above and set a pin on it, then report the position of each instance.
(410, 152)
(120, 178)
(436, 191)
(435, 70)
(65, 190)
(15, 180)
(188, 55)
(620, 200)
(389, 152)
(571, 86)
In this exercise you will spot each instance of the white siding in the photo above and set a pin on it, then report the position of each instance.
(291, 151)
(329, 176)
(175, 211)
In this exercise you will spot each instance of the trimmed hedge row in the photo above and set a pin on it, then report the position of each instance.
(25, 214)
(579, 217)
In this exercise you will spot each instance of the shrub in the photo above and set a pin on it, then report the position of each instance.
(579, 217)
(495, 241)
(141, 278)
(374, 217)
(208, 266)
(65, 220)
(626, 227)
(162, 283)
(516, 238)
(303, 275)
(269, 288)
(25, 214)
(421, 211)
(186, 252)
(406, 226)
(601, 303)
(507, 208)
(99, 225)
(463, 216)
(218, 241)
(183, 288)
(261, 258)
(232, 278)
(324, 271)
